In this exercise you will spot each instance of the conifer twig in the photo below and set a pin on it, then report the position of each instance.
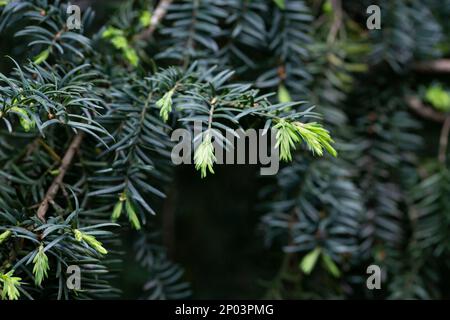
(433, 66)
(443, 140)
(427, 112)
(337, 20)
(157, 17)
(54, 187)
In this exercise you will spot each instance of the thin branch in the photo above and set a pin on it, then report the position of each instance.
(443, 141)
(156, 19)
(50, 150)
(433, 66)
(426, 112)
(211, 113)
(337, 20)
(54, 187)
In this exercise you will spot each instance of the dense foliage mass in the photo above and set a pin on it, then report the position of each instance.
(361, 119)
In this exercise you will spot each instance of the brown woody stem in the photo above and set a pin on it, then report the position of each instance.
(425, 111)
(443, 141)
(433, 66)
(156, 19)
(56, 184)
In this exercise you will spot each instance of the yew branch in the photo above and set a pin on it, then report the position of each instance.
(56, 184)
(156, 19)
(425, 111)
(433, 66)
(443, 140)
